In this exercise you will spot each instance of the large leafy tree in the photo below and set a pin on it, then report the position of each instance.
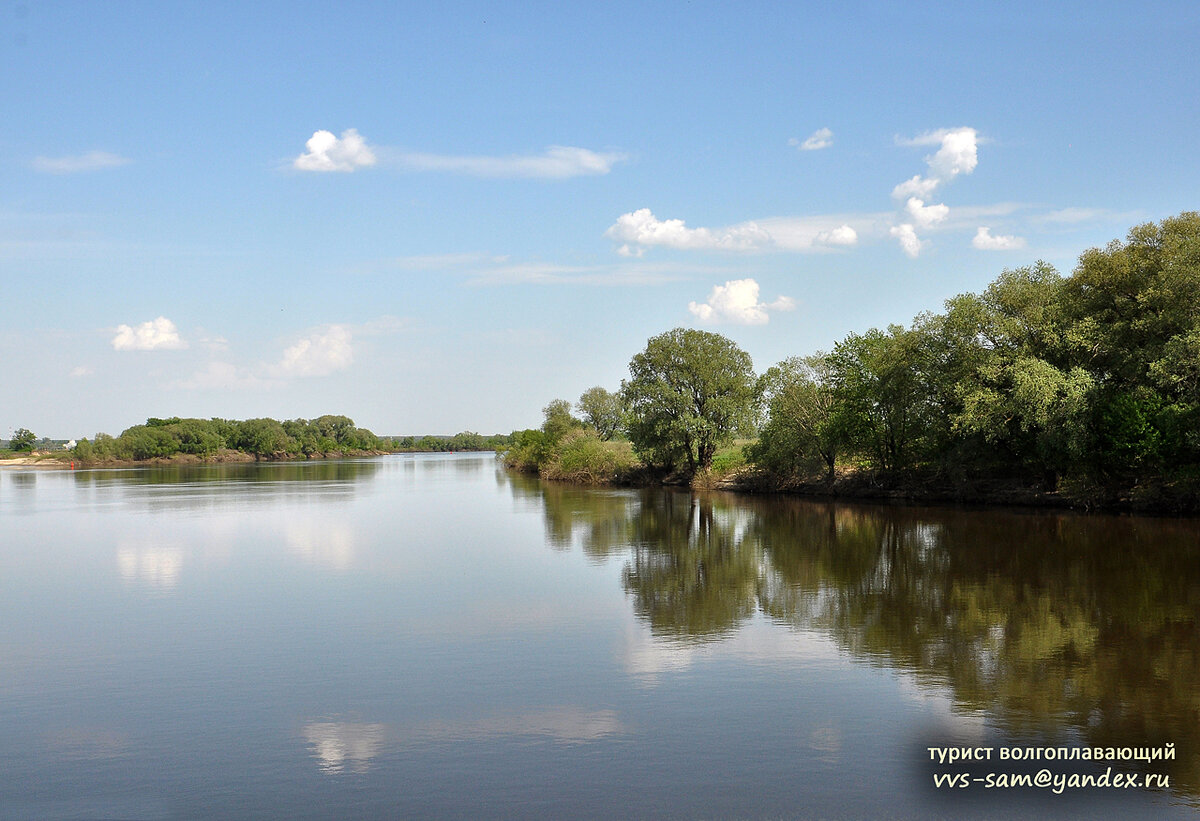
(687, 393)
(22, 439)
(602, 410)
(801, 432)
(882, 402)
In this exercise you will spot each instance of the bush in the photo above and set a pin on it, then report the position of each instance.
(581, 456)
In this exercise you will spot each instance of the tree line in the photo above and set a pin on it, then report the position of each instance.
(1090, 380)
(263, 438)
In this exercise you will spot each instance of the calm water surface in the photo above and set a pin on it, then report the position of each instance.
(427, 636)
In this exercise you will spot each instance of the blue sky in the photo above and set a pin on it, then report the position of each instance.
(438, 217)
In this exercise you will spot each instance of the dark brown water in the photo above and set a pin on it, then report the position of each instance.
(427, 636)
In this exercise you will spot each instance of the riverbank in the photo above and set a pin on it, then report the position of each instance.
(1151, 495)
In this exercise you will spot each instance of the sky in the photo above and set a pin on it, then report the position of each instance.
(436, 217)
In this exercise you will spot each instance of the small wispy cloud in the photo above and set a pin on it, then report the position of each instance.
(223, 376)
(80, 370)
(325, 152)
(842, 235)
(984, 241)
(555, 162)
(925, 216)
(642, 228)
(736, 302)
(79, 163)
(320, 353)
(156, 335)
(821, 138)
(910, 243)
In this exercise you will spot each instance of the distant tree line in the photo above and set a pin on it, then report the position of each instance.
(263, 438)
(464, 441)
(1091, 379)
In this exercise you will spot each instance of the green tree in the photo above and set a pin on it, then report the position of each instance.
(558, 420)
(801, 431)
(22, 440)
(882, 404)
(688, 393)
(602, 410)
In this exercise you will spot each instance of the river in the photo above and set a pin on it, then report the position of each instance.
(428, 636)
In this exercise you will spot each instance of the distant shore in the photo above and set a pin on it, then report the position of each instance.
(60, 460)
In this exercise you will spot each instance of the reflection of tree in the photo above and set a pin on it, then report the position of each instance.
(315, 470)
(691, 575)
(600, 520)
(1041, 620)
(1045, 621)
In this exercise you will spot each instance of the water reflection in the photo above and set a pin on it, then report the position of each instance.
(1050, 623)
(326, 544)
(156, 568)
(344, 747)
(567, 724)
(199, 488)
(341, 747)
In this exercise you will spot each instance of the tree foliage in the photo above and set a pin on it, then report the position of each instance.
(687, 392)
(22, 440)
(602, 410)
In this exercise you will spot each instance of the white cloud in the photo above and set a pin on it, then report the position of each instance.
(821, 138)
(641, 227)
(556, 162)
(320, 353)
(918, 186)
(909, 240)
(221, 376)
(329, 153)
(157, 334)
(91, 161)
(924, 215)
(986, 242)
(737, 302)
(842, 235)
(81, 370)
(957, 154)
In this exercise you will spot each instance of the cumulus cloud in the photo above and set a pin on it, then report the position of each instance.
(556, 162)
(157, 334)
(329, 153)
(957, 154)
(642, 228)
(320, 353)
(917, 186)
(909, 241)
(924, 215)
(821, 138)
(737, 302)
(843, 235)
(91, 161)
(1004, 242)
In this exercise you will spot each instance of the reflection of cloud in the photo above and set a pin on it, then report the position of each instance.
(154, 567)
(339, 746)
(569, 724)
(328, 546)
(646, 658)
(828, 742)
